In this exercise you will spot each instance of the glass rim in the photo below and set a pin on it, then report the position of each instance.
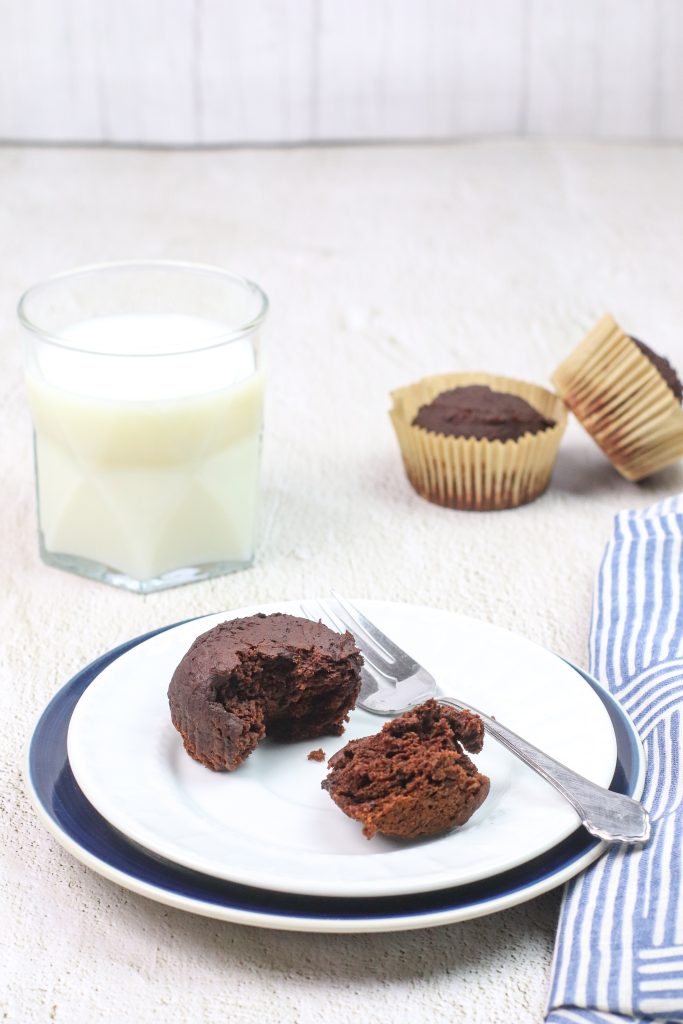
(234, 334)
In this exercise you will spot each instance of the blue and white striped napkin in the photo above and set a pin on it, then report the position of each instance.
(619, 953)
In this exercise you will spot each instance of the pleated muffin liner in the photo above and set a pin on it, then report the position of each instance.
(622, 400)
(466, 473)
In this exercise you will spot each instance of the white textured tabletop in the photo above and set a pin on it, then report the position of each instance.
(382, 264)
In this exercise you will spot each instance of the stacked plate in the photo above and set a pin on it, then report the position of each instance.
(265, 845)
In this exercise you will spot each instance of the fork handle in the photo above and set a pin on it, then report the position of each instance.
(607, 815)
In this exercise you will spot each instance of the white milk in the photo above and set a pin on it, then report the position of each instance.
(147, 464)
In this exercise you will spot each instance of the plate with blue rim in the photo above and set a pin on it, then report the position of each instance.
(90, 837)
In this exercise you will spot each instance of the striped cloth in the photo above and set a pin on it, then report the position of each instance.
(619, 953)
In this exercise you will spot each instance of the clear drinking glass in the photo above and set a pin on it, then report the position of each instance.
(145, 382)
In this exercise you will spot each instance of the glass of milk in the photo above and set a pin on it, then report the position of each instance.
(145, 382)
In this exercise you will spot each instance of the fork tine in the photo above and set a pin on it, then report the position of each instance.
(371, 652)
(354, 620)
(336, 622)
(370, 684)
(314, 611)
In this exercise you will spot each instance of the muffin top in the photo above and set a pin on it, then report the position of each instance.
(663, 367)
(480, 412)
(277, 635)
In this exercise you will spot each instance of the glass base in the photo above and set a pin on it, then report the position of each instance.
(105, 574)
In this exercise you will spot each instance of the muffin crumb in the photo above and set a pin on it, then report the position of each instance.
(317, 755)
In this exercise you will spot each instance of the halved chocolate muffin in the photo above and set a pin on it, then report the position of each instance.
(275, 675)
(413, 779)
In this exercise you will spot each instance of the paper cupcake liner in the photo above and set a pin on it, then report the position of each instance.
(466, 473)
(622, 401)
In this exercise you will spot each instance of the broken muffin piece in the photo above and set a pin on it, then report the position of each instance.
(413, 779)
(275, 675)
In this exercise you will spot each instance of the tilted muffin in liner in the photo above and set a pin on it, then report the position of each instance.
(622, 400)
(466, 473)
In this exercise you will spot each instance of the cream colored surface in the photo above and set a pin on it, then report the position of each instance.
(383, 265)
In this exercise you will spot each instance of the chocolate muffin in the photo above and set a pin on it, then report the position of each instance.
(627, 397)
(477, 441)
(478, 411)
(266, 675)
(413, 779)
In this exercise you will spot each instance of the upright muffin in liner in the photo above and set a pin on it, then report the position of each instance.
(466, 473)
(622, 400)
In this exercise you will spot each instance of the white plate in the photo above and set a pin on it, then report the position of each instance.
(86, 835)
(270, 825)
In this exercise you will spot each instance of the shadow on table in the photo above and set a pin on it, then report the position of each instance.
(483, 947)
(587, 472)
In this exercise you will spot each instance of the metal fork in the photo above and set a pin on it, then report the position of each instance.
(392, 682)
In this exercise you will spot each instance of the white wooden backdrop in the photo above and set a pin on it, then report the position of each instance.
(232, 71)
